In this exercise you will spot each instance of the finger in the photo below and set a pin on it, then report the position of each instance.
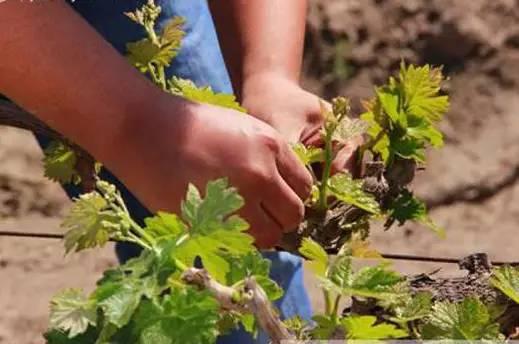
(283, 205)
(294, 172)
(266, 232)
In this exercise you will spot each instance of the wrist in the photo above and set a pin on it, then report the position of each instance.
(144, 120)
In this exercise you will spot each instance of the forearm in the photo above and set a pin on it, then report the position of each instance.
(57, 67)
(260, 37)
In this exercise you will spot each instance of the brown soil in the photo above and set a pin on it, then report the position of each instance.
(472, 184)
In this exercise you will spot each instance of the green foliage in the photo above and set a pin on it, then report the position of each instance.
(407, 207)
(317, 256)
(89, 223)
(188, 89)
(364, 328)
(213, 231)
(254, 265)
(72, 312)
(369, 282)
(308, 155)
(403, 115)
(343, 187)
(410, 308)
(186, 316)
(466, 320)
(145, 300)
(59, 163)
(506, 279)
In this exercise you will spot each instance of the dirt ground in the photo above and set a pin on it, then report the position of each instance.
(471, 185)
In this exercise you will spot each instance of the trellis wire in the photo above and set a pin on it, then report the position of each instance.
(384, 255)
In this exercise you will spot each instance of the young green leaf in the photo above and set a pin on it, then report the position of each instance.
(165, 226)
(252, 264)
(59, 163)
(412, 308)
(421, 87)
(349, 129)
(506, 279)
(144, 53)
(72, 312)
(467, 320)
(346, 189)
(89, 223)
(407, 207)
(214, 233)
(188, 89)
(317, 256)
(308, 155)
(326, 326)
(369, 282)
(364, 328)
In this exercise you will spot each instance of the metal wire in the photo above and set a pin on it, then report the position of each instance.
(391, 256)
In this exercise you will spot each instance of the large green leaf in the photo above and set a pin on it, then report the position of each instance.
(214, 232)
(185, 316)
(466, 320)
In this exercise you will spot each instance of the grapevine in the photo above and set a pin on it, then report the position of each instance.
(199, 274)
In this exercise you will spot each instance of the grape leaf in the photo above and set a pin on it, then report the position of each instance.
(214, 233)
(119, 300)
(308, 155)
(145, 52)
(361, 248)
(165, 226)
(188, 89)
(412, 308)
(363, 327)
(421, 86)
(316, 255)
(466, 320)
(59, 163)
(403, 114)
(185, 316)
(89, 223)
(348, 190)
(72, 312)
(372, 282)
(173, 33)
(252, 264)
(407, 207)
(506, 279)
(349, 129)
(326, 326)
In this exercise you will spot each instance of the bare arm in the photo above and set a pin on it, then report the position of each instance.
(55, 66)
(260, 36)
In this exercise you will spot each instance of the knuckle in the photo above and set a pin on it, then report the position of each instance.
(271, 141)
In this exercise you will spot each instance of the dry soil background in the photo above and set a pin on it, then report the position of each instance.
(471, 185)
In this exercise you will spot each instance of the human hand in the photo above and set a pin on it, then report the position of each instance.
(168, 151)
(294, 112)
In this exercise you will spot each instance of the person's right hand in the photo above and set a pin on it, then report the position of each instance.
(166, 150)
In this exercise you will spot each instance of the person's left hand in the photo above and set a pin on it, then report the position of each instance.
(292, 111)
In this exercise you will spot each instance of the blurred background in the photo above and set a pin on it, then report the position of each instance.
(471, 185)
